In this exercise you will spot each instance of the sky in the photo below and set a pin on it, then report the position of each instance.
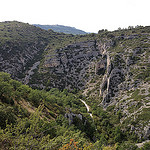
(87, 15)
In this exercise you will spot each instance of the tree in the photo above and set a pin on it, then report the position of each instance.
(6, 92)
(118, 135)
(4, 76)
(146, 146)
(24, 91)
(72, 145)
(27, 133)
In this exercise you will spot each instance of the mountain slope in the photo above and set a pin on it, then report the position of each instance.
(22, 45)
(35, 119)
(112, 67)
(126, 82)
(61, 28)
(110, 71)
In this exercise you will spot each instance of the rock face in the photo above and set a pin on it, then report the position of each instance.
(71, 117)
(110, 85)
(15, 59)
(20, 47)
(113, 74)
(71, 65)
(101, 67)
(146, 131)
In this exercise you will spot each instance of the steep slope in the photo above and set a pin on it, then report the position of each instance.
(61, 28)
(35, 119)
(125, 83)
(110, 71)
(68, 67)
(22, 45)
(112, 67)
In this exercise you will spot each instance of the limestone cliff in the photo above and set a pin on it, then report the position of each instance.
(111, 67)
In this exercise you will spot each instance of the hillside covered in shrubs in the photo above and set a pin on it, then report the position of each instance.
(64, 91)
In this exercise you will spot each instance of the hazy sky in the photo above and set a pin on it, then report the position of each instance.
(88, 15)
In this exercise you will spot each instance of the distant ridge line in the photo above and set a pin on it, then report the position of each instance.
(62, 29)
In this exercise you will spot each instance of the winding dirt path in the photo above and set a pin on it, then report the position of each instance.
(87, 107)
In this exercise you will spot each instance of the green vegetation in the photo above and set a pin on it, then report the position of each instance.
(145, 114)
(45, 115)
(29, 116)
(22, 121)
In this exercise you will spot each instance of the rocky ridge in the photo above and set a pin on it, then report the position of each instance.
(105, 69)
